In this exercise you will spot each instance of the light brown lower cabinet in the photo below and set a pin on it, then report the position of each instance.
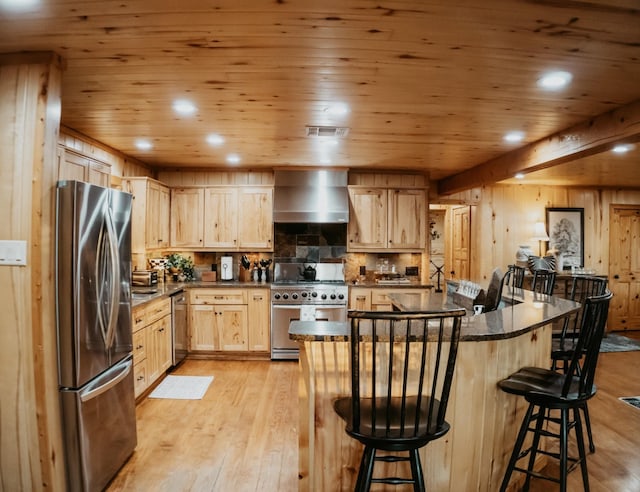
(229, 320)
(375, 299)
(151, 342)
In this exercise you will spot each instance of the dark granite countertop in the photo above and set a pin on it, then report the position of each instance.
(523, 311)
(169, 288)
(391, 285)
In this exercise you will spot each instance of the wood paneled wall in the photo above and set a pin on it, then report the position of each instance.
(121, 165)
(31, 455)
(215, 178)
(504, 216)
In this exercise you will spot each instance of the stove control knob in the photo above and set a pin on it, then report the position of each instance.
(340, 296)
(294, 296)
(333, 296)
(276, 296)
(314, 294)
(285, 296)
(304, 294)
(323, 296)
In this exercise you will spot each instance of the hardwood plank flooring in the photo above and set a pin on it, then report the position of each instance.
(242, 436)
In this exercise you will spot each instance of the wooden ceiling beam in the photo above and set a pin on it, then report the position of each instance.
(590, 137)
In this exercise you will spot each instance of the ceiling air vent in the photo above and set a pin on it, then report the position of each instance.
(327, 131)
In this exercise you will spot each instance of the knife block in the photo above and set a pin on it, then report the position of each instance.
(245, 275)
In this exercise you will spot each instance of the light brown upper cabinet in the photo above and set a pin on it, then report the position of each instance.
(255, 218)
(187, 218)
(73, 166)
(223, 218)
(386, 219)
(150, 214)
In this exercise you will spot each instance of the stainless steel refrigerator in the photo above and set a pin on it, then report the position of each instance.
(95, 366)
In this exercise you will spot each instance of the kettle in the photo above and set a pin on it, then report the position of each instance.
(309, 272)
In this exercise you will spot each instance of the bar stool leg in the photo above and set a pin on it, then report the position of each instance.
(366, 470)
(564, 447)
(535, 443)
(516, 448)
(581, 451)
(416, 471)
(587, 423)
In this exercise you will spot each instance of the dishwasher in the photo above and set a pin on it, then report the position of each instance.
(179, 324)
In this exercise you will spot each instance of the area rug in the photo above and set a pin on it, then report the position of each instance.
(634, 401)
(182, 387)
(618, 343)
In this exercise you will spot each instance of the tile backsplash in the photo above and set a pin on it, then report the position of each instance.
(310, 242)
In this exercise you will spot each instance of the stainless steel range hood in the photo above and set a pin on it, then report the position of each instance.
(311, 196)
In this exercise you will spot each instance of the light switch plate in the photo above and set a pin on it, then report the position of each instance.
(13, 253)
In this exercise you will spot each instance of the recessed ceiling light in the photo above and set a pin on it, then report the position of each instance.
(555, 80)
(519, 176)
(142, 144)
(215, 139)
(622, 148)
(514, 137)
(184, 107)
(233, 159)
(18, 5)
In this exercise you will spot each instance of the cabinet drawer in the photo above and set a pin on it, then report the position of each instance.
(218, 296)
(379, 297)
(139, 346)
(158, 309)
(140, 381)
(148, 313)
(139, 318)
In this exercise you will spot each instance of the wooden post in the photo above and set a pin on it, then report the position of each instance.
(31, 454)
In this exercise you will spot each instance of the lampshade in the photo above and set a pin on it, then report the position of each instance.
(540, 232)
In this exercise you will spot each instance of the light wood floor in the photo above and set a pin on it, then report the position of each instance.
(243, 435)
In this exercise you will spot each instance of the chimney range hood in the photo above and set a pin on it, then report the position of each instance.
(314, 196)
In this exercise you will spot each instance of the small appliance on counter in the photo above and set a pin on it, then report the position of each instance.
(226, 268)
(144, 278)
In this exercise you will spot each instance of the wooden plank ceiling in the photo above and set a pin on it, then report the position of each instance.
(432, 86)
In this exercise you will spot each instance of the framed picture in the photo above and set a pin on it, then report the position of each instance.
(566, 234)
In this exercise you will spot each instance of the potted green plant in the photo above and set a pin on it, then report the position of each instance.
(178, 264)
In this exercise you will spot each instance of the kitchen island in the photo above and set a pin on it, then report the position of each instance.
(484, 420)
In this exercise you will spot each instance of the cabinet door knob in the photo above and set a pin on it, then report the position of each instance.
(616, 276)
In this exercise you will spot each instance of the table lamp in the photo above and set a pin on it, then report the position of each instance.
(540, 235)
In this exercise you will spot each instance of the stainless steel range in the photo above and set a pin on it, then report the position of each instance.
(294, 296)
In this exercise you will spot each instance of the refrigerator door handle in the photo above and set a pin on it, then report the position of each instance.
(93, 392)
(115, 278)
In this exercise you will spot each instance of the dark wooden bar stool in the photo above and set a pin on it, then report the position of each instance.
(515, 276)
(543, 281)
(563, 343)
(399, 387)
(548, 391)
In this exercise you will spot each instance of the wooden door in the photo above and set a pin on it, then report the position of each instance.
(187, 220)
(99, 173)
(220, 218)
(360, 299)
(203, 327)
(461, 225)
(255, 219)
(258, 320)
(158, 348)
(624, 267)
(367, 229)
(163, 217)
(231, 322)
(406, 220)
(74, 167)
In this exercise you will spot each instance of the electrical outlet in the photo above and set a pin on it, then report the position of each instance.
(411, 271)
(13, 253)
